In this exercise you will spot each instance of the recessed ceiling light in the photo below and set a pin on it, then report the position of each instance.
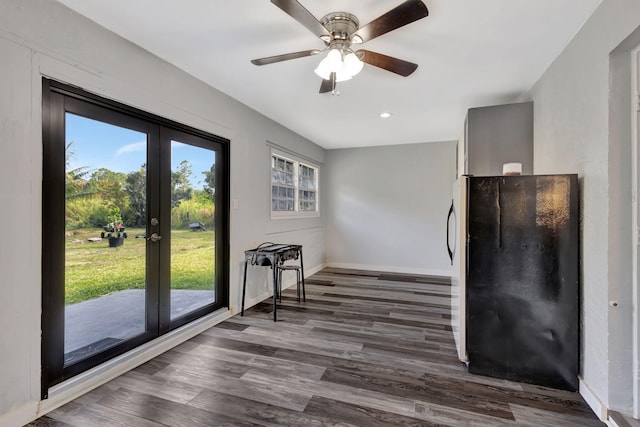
(385, 115)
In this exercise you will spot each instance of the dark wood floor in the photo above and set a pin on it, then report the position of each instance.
(366, 349)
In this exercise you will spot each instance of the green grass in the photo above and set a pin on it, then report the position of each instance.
(93, 269)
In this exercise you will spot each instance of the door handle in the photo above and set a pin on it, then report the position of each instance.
(154, 237)
(451, 212)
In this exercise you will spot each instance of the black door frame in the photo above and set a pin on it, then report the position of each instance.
(58, 99)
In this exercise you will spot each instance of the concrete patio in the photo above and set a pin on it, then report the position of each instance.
(91, 326)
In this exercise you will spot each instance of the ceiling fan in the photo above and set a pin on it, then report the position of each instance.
(339, 31)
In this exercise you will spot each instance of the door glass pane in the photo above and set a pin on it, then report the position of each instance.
(193, 193)
(105, 213)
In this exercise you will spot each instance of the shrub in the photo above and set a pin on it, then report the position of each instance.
(86, 212)
(192, 210)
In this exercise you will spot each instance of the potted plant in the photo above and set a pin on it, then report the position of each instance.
(114, 230)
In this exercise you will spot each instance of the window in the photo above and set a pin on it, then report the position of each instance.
(294, 188)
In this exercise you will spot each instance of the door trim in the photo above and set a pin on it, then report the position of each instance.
(635, 186)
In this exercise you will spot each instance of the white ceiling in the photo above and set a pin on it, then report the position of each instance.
(470, 53)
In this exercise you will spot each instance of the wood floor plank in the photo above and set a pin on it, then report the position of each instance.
(285, 398)
(429, 392)
(230, 325)
(361, 416)
(365, 349)
(167, 389)
(369, 337)
(539, 417)
(257, 362)
(163, 411)
(93, 415)
(258, 412)
(356, 396)
(48, 422)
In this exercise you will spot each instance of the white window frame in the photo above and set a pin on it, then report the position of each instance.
(297, 162)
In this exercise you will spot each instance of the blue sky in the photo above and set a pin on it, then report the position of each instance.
(101, 145)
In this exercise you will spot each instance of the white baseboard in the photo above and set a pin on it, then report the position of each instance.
(312, 271)
(391, 269)
(612, 423)
(80, 384)
(594, 402)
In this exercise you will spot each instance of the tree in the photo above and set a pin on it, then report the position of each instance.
(210, 181)
(76, 184)
(136, 189)
(110, 186)
(180, 184)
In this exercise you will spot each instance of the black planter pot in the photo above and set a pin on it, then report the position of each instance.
(114, 242)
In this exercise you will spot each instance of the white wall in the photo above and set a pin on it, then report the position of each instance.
(41, 37)
(577, 130)
(387, 207)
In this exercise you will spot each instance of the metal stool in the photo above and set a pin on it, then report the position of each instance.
(286, 267)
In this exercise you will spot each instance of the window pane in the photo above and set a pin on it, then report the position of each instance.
(274, 191)
(192, 240)
(105, 206)
(282, 205)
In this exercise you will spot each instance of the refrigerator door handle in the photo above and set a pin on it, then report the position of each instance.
(451, 212)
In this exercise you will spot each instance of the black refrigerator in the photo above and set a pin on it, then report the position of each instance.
(522, 278)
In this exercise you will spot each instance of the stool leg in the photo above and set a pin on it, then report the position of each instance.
(280, 284)
(244, 288)
(298, 284)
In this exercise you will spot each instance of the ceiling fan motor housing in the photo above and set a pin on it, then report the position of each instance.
(340, 25)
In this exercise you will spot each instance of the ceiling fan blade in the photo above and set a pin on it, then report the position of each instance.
(406, 13)
(328, 85)
(389, 63)
(285, 57)
(302, 15)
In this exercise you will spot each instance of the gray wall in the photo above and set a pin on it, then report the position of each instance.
(496, 135)
(578, 128)
(387, 207)
(41, 37)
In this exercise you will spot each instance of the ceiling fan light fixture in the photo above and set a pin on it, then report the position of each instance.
(345, 67)
(352, 64)
(332, 63)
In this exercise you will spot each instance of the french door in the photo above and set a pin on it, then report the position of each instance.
(135, 229)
